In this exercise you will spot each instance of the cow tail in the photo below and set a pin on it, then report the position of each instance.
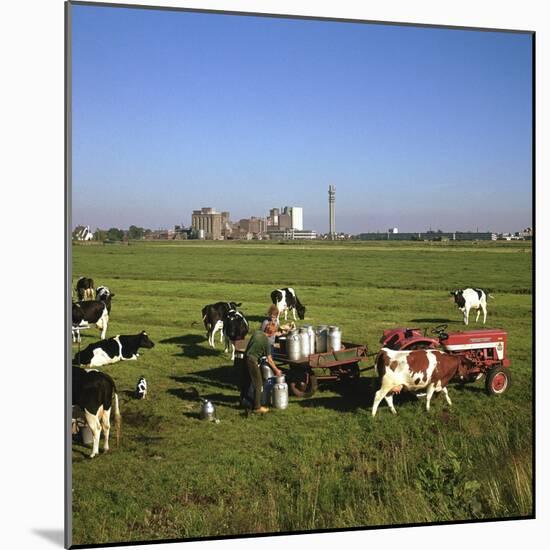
(118, 419)
(379, 365)
(490, 296)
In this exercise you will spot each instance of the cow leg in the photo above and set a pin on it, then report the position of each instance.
(444, 390)
(294, 313)
(217, 326)
(93, 422)
(389, 401)
(232, 346)
(106, 425)
(477, 314)
(286, 313)
(484, 313)
(466, 315)
(429, 392)
(378, 396)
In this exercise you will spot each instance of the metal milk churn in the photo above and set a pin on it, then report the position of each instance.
(208, 411)
(280, 393)
(311, 334)
(293, 345)
(334, 338)
(267, 372)
(321, 338)
(303, 334)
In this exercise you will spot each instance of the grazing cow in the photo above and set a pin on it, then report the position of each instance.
(94, 392)
(471, 298)
(415, 370)
(235, 327)
(212, 317)
(112, 350)
(103, 294)
(285, 299)
(141, 388)
(85, 289)
(89, 311)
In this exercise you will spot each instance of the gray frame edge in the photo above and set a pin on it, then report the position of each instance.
(68, 519)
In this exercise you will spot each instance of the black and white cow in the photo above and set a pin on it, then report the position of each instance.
(235, 327)
(471, 298)
(103, 294)
(212, 317)
(285, 299)
(112, 350)
(85, 288)
(89, 312)
(95, 393)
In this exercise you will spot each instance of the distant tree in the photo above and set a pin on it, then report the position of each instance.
(135, 232)
(115, 234)
(100, 234)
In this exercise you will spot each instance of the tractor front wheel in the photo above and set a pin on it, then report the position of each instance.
(498, 380)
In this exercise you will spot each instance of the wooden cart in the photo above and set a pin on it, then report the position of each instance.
(303, 375)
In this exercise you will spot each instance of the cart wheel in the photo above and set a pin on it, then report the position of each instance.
(305, 388)
(498, 380)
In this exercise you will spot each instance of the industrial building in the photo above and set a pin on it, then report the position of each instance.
(390, 235)
(208, 223)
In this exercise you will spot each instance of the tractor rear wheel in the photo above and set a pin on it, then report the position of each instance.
(497, 381)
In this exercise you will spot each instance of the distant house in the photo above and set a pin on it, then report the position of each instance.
(84, 234)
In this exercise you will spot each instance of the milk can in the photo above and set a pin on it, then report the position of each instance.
(280, 393)
(267, 372)
(208, 412)
(321, 338)
(267, 391)
(293, 345)
(304, 342)
(334, 338)
(311, 334)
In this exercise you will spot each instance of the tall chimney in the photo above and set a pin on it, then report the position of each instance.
(331, 200)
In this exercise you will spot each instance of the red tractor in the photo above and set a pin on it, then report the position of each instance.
(486, 348)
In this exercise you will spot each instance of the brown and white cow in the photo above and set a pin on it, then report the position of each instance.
(429, 370)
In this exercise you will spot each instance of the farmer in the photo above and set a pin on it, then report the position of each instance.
(258, 347)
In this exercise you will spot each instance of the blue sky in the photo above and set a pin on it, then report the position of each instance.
(416, 127)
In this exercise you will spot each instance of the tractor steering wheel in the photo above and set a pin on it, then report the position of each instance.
(439, 329)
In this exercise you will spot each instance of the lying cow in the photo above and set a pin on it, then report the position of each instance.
(85, 288)
(212, 317)
(103, 294)
(113, 350)
(286, 300)
(89, 312)
(471, 298)
(416, 370)
(235, 327)
(94, 392)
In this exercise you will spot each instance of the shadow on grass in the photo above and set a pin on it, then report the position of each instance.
(431, 320)
(219, 377)
(190, 346)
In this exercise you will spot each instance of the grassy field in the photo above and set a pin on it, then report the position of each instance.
(322, 463)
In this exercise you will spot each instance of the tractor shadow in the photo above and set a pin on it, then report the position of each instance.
(192, 346)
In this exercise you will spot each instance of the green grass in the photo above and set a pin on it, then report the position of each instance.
(324, 462)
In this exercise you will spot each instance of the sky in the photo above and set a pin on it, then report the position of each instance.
(418, 128)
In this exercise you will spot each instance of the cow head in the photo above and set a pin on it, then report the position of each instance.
(144, 341)
(301, 311)
(235, 305)
(465, 367)
(458, 297)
